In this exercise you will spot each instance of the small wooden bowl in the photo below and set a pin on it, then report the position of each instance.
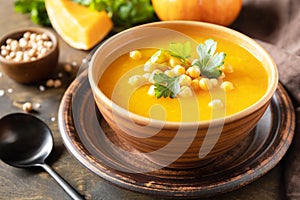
(178, 144)
(31, 71)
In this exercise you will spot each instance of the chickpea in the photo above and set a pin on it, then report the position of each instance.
(151, 91)
(170, 73)
(178, 70)
(50, 83)
(149, 66)
(57, 83)
(227, 86)
(136, 55)
(193, 71)
(4, 52)
(25, 48)
(174, 61)
(26, 35)
(185, 80)
(27, 107)
(137, 80)
(185, 91)
(68, 67)
(195, 84)
(227, 68)
(216, 104)
(205, 84)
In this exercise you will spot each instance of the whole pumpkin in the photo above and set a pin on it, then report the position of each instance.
(222, 12)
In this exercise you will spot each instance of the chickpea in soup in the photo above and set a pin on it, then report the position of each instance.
(170, 84)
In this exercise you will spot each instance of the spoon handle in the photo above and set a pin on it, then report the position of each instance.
(66, 186)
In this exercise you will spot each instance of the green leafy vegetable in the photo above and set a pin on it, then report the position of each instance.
(209, 61)
(166, 86)
(124, 13)
(181, 51)
(36, 9)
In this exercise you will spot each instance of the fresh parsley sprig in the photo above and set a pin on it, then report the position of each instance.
(181, 51)
(209, 62)
(166, 86)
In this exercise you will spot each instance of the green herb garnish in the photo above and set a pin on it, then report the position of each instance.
(209, 61)
(123, 13)
(166, 86)
(181, 51)
(36, 9)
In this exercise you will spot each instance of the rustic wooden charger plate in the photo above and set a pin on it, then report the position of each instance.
(91, 141)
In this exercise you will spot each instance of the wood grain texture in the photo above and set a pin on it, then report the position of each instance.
(91, 140)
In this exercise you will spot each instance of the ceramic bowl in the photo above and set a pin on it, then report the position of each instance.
(178, 144)
(32, 70)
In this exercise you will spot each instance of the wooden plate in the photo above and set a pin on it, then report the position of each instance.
(91, 141)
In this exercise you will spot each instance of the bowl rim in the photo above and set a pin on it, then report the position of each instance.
(272, 86)
(50, 33)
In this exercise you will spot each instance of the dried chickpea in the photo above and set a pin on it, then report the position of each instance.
(29, 47)
(27, 107)
(57, 83)
(50, 83)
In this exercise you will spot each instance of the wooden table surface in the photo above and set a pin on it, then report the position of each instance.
(34, 183)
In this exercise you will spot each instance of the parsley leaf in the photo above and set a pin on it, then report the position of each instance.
(209, 61)
(166, 86)
(181, 51)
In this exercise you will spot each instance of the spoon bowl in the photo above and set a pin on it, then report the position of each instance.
(26, 141)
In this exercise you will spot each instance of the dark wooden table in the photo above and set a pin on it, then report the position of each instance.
(34, 183)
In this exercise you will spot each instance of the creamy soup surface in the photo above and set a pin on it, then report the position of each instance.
(249, 80)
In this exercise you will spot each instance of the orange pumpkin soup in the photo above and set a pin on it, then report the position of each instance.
(241, 80)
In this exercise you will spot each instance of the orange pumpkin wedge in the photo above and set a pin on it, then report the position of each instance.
(77, 25)
(222, 12)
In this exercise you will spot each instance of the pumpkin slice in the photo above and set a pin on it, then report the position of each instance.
(77, 25)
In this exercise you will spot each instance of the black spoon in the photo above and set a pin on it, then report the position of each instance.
(26, 141)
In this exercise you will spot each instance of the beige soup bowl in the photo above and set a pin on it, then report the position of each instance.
(177, 144)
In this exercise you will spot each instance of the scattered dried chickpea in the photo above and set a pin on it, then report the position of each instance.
(57, 83)
(50, 83)
(27, 107)
(27, 48)
(68, 68)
